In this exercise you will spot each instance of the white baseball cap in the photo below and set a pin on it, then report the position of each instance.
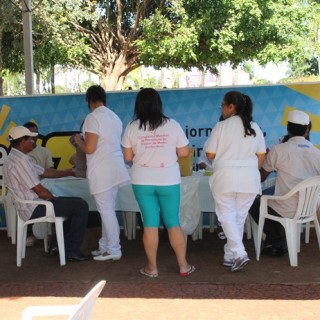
(19, 132)
(298, 117)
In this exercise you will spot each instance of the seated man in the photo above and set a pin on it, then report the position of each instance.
(22, 177)
(41, 155)
(294, 161)
(204, 162)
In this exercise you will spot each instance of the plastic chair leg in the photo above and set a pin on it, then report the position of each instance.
(60, 240)
(19, 244)
(248, 227)
(307, 232)
(291, 230)
(212, 219)
(260, 233)
(13, 217)
(254, 228)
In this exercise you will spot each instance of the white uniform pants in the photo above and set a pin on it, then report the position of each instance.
(106, 203)
(232, 210)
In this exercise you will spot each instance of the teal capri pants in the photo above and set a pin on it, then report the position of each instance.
(158, 200)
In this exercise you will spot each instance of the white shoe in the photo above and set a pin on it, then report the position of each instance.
(97, 252)
(106, 256)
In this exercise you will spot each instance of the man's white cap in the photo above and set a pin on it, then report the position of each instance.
(298, 117)
(19, 132)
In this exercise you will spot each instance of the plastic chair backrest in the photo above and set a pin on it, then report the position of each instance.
(309, 193)
(85, 308)
(50, 214)
(3, 156)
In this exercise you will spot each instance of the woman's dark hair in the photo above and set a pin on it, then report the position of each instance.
(96, 93)
(244, 109)
(148, 109)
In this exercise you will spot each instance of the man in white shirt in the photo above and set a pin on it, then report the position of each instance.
(203, 161)
(41, 156)
(294, 161)
(22, 176)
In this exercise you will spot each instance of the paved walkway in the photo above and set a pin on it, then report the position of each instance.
(268, 289)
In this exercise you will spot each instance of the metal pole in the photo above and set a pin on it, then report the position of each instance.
(27, 45)
(318, 58)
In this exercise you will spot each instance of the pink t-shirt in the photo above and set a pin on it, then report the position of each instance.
(155, 156)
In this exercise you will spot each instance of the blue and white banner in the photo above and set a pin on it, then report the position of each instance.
(197, 111)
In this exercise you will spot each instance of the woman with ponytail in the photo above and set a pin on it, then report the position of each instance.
(238, 148)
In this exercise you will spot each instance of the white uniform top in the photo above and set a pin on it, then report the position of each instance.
(105, 166)
(155, 155)
(42, 156)
(235, 166)
(295, 160)
(203, 157)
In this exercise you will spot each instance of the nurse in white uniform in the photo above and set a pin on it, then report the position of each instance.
(106, 170)
(238, 148)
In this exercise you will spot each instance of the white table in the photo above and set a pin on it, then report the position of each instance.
(195, 198)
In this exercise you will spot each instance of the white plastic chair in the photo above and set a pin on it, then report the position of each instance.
(81, 311)
(49, 217)
(308, 192)
(3, 156)
(11, 217)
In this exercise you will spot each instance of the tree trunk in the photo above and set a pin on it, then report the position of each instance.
(37, 73)
(114, 74)
(53, 84)
(110, 80)
(1, 86)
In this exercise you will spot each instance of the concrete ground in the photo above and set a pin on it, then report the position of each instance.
(265, 289)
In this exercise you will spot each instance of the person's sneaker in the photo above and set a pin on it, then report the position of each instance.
(228, 262)
(240, 263)
(31, 240)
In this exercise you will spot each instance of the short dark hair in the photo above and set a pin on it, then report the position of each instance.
(15, 143)
(96, 93)
(30, 124)
(297, 130)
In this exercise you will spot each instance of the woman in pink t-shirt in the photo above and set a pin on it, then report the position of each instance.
(152, 142)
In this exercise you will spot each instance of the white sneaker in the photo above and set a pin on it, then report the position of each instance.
(106, 256)
(97, 252)
(240, 263)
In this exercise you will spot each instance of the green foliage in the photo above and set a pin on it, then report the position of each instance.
(218, 31)
(112, 38)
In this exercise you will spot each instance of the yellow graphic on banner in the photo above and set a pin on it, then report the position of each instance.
(5, 110)
(59, 145)
(61, 150)
(311, 90)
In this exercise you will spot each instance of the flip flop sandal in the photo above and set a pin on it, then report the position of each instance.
(185, 274)
(148, 274)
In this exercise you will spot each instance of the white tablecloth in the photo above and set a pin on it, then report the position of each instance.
(195, 197)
